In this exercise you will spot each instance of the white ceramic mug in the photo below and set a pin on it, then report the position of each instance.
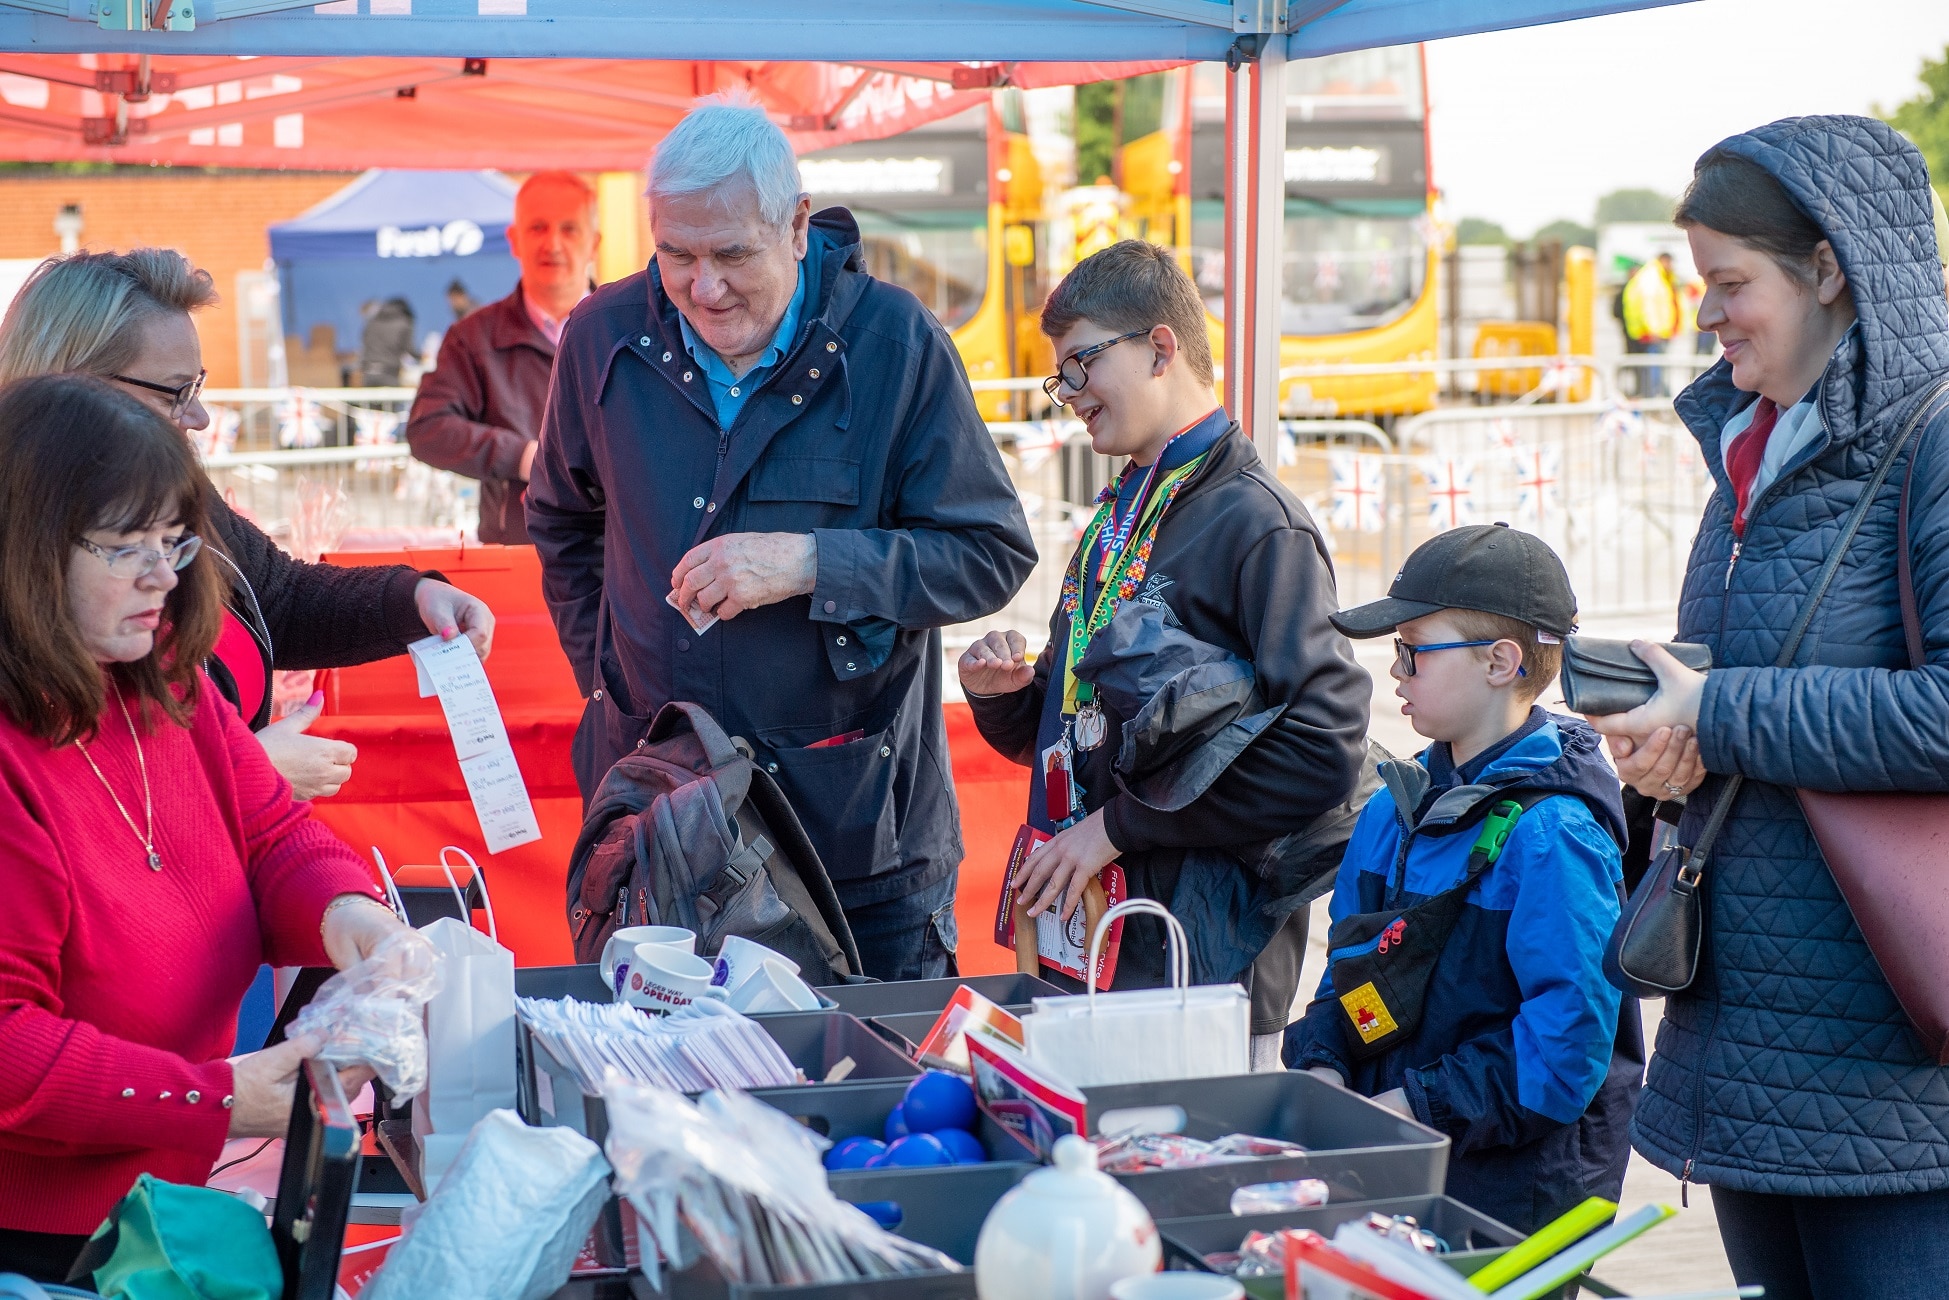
(773, 987)
(740, 958)
(617, 952)
(663, 979)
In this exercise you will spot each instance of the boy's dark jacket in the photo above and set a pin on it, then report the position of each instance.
(1524, 1055)
(1241, 564)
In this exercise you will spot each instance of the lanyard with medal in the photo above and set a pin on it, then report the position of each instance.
(1116, 552)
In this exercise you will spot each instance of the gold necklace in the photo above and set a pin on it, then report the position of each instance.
(148, 805)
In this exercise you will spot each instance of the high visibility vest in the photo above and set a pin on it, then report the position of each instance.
(1651, 304)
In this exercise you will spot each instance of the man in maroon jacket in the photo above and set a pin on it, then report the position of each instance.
(479, 410)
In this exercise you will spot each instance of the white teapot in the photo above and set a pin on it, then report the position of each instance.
(1065, 1233)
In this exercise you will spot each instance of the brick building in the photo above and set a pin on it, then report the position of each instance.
(219, 221)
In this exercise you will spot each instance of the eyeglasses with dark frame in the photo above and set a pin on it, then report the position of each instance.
(180, 396)
(133, 561)
(1073, 371)
(1404, 653)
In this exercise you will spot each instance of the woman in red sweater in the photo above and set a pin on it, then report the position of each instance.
(150, 856)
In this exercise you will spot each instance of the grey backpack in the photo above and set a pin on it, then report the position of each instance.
(687, 830)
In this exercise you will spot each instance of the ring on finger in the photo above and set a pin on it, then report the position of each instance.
(1674, 790)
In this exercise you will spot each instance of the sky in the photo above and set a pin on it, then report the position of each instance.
(1535, 124)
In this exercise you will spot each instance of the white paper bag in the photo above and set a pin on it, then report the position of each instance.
(1141, 1035)
(469, 1035)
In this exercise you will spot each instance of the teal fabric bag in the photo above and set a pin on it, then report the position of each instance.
(164, 1241)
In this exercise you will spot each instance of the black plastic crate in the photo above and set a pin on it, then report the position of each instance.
(1361, 1150)
(841, 1113)
(584, 983)
(906, 996)
(941, 1208)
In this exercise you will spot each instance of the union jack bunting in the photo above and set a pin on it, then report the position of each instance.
(301, 421)
(1538, 499)
(1451, 492)
(1358, 504)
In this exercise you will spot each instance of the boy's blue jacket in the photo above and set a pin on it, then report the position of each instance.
(1523, 1055)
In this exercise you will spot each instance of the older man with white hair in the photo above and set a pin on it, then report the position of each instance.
(757, 431)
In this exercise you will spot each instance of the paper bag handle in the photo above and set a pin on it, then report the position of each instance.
(393, 900)
(480, 878)
(1178, 946)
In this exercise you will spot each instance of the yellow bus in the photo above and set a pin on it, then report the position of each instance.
(953, 212)
(1360, 256)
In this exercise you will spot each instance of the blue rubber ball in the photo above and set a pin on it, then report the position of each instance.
(938, 1100)
(885, 1213)
(917, 1150)
(896, 1124)
(964, 1146)
(854, 1152)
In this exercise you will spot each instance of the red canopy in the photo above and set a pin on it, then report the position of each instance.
(519, 114)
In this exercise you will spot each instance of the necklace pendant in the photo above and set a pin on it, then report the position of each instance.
(1090, 727)
(155, 860)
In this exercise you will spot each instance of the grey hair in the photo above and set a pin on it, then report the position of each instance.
(726, 139)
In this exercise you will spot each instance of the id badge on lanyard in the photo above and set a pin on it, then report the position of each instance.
(1058, 781)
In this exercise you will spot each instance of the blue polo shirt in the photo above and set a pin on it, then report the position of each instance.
(729, 391)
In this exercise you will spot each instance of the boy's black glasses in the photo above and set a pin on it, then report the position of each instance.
(1073, 372)
(1404, 653)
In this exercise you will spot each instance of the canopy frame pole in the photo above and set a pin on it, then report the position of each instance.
(1255, 222)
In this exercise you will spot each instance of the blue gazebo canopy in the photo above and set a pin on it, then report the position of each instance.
(395, 234)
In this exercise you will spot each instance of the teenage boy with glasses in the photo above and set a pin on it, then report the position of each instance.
(1465, 983)
(1196, 525)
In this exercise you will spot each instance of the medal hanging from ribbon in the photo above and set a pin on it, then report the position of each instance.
(1118, 574)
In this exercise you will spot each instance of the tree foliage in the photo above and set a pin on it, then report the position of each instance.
(1480, 230)
(1925, 118)
(1096, 124)
(1635, 205)
(1573, 234)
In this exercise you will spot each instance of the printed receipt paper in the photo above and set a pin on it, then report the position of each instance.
(453, 670)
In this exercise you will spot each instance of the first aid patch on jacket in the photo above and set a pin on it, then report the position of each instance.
(1370, 1016)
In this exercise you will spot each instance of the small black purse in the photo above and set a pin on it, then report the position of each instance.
(1654, 950)
(1600, 676)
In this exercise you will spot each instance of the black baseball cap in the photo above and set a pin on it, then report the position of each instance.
(1490, 567)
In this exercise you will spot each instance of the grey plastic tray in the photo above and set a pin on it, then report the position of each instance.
(1467, 1232)
(902, 997)
(1362, 1151)
(940, 1208)
(840, 1113)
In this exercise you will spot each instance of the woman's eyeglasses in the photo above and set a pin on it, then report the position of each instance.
(1404, 653)
(1074, 372)
(180, 396)
(134, 561)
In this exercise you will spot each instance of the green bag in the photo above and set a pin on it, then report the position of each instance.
(164, 1241)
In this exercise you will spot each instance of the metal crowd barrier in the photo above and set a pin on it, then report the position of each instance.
(1616, 487)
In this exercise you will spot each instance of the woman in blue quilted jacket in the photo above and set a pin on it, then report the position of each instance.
(1786, 1076)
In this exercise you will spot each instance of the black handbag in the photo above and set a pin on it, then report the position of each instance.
(1654, 949)
(1601, 676)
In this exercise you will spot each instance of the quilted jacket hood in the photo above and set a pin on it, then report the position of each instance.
(1868, 188)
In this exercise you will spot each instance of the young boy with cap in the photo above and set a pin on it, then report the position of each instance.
(1464, 982)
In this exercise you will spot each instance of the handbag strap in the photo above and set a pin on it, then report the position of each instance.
(1694, 867)
(1904, 562)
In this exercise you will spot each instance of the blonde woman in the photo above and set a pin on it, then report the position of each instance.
(126, 318)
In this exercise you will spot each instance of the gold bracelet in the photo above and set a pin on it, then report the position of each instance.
(341, 901)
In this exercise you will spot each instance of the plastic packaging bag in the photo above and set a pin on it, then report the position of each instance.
(507, 1221)
(704, 1045)
(370, 1013)
(746, 1181)
(1276, 1198)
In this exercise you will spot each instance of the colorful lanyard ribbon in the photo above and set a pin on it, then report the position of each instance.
(1126, 565)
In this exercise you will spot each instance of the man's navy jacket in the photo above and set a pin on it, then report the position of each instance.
(866, 435)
